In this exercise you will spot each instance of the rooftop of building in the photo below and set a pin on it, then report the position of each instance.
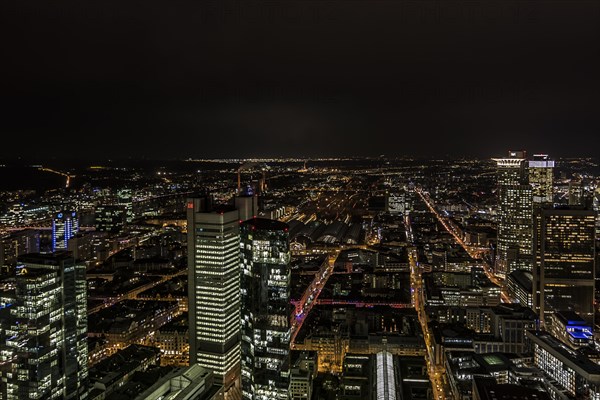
(452, 335)
(177, 324)
(299, 356)
(398, 325)
(492, 362)
(412, 367)
(46, 258)
(515, 310)
(127, 314)
(568, 317)
(222, 208)
(265, 224)
(488, 389)
(145, 384)
(523, 278)
(121, 363)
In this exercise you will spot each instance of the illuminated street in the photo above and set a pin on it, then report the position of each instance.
(309, 299)
(436, 373)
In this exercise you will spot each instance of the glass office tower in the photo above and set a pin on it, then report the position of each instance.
(43, 349)
(266, 309)
(515, 211)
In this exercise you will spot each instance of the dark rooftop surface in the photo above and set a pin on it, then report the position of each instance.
(266, 224)
(493, 391)
(46, 258)
(569, 317)
(523, 278)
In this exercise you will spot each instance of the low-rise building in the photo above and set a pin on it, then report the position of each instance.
(568, 372)
(113, 372)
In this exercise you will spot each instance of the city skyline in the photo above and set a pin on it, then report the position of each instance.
(294, 279)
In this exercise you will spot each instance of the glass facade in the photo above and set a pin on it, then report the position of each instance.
(541, 178)
(65, 225)
(44, 340)
(266, 309)
(386, 377)
(515, 211)
(568, 373)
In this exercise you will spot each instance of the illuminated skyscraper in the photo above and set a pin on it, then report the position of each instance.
(564, 251)
(214, 288)
(43, 349)
(65, 225)
(541, 178)
(266, 310)
(515, 212)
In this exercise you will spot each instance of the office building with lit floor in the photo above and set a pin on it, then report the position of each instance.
(540, 173)
(515, 209)
(266, 309)
(519, 284)
(564, 250)
(213, 287)
(567, 371)
(65, 225)
(43, 347)
(571, 329)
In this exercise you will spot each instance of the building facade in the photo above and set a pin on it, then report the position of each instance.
(44, 343)
(515, 211)
(564, 270)
(247, 204)
(519, 284)
(541, 178)
(65, 225)
(266, 309)
(567, 372)
(214, 289)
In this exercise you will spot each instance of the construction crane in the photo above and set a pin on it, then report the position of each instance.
(68, 182)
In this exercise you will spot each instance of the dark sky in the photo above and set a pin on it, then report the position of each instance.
(219, 78)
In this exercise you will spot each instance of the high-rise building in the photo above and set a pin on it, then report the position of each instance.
(214, 288)
(247, 204)
(515, 211)
(65, 225)
(43, 348)
(266, 310)
(564, 255)
(541, 178)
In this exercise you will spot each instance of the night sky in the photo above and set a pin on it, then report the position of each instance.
(223, 78)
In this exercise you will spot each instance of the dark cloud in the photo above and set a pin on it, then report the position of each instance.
(246, 78)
